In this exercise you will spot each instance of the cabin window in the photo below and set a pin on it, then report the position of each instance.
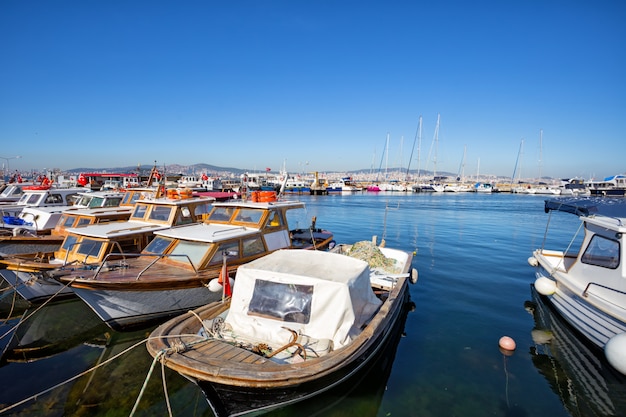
(158, 245)
(194, 250)
(201, 210)
(130, 198)
(139, 212)
(95, 202)
(275, 220)
(249, 216)
(82, 221)
(602, 252)
(253, 246)
(281, 301)
(83, 200)
(54, 199)
(67, 221)
(160, 213)
(68, 243)
(89, 247)
(221, 214)
(232, 252)
(31, 199)
(112, 202)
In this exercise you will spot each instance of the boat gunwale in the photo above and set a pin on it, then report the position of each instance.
(269, 374)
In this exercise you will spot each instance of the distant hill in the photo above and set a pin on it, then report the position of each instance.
(213, 169)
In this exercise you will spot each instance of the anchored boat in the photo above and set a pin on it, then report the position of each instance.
(298, 324)
(586, 283)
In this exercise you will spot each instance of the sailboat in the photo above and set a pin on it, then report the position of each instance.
(481, 187)
(434, 185)
(518, 188)
(543, 189)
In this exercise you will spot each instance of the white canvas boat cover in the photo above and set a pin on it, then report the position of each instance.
(318, 294)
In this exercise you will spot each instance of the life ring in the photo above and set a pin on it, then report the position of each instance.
(267, 196)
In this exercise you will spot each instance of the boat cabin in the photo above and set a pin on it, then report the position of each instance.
(241, 231)
(90, 244)
(85, 217)
(291, 290)
(37, 198)
(11, 193)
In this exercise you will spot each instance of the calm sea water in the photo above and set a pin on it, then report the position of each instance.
(473, 288)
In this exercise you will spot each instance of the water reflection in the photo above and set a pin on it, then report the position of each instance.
(575, 370)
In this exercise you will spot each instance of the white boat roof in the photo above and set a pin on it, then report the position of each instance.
(210, 233)
(175, 202)
(115, 229)
(44, 209)
(97, 211)
(320, 294)
(261, 205)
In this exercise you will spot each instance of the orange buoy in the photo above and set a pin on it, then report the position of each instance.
(507, 343)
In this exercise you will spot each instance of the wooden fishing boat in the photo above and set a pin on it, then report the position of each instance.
(87, 247)
(180, 267)
(298, 324)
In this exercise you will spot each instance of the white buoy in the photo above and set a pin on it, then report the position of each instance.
(615, 352)
(532, 261)
(545, 286)
(215, 286)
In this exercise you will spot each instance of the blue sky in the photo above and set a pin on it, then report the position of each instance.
(317, 85)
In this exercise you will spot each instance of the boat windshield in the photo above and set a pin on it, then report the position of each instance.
(158, 245)
(68, 243)
(140, 211)
(221, 214)
(89, 247)
(160, 213)
(184, 251)
(602, 252)
(247, 215)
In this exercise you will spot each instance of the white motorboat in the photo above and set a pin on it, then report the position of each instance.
(587, 286)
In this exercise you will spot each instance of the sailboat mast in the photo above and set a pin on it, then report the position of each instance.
(436, 147)
(540, 151)
(418, 139)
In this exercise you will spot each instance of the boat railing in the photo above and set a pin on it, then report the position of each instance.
(586, 291)
(138, 255)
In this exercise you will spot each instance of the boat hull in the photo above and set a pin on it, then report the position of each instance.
(35, 289)
(229, 400)
(123, 309)
(591, 321)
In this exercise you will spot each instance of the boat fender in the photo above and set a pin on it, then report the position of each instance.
(615, 352)
(532, 261)
(215, 286)
(413, 277)
(545, 286)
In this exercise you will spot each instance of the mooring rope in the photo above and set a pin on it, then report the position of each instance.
(60, 384)
(37, 309)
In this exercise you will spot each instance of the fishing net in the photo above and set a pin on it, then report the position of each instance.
(368, 251)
